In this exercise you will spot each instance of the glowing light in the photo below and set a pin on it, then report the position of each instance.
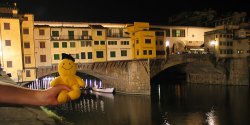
(211, 118)
(213, 42)
(167, 43)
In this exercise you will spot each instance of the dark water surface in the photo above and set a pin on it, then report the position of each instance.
(167, 105)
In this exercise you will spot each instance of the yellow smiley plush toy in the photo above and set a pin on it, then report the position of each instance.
(67, 71)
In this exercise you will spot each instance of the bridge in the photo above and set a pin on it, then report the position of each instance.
(130, 76)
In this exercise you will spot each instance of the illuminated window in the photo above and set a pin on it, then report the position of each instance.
(7, 26)
(42, 58)
(178, 33)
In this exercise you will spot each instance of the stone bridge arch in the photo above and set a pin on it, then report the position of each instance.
(158, 65)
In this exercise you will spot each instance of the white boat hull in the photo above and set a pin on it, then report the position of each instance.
(106, 90)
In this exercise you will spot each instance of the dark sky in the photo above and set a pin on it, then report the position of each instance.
(123, 11)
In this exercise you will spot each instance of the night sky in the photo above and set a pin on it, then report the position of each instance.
(122, 11)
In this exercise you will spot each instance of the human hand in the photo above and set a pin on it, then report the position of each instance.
(49, 96)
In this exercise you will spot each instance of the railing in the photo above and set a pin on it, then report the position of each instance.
(75, 37)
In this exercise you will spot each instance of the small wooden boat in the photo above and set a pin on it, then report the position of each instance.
(106, 90)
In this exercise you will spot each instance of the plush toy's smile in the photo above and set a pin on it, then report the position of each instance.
(66, 68)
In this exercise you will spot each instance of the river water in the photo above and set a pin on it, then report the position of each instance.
(168, 104)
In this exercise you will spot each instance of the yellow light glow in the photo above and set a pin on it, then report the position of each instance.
(167, 43)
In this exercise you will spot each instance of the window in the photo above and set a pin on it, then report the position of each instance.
(27, 60)
(56, 56)
(42, 58)
(41, 32)
(7, 26)
(88, 43)
(167, 32)
(99, 33)
(42, 44)
(112, 42)
(25, 18)
(89, 55)
(96, 42)
(102, 42)
(77, 56)
(26, 45)
(55, 33)
(124, 42)
(83, 43)
(83, 55)
(28, 73)
(149, 52)
(72, 44)
(137, 52)
(137, 41)
(112, 53)
(144, 52)
(25, 30)
(9, 64)
(85, 33)
(159, 33)
(178, 33)
(71, 34)
(64, 44)
(99, 54)
(56, 45)
(161, 42)
(123, 52)
(148, 41)
(7, 43)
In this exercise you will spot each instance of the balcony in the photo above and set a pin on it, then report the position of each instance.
(66, 37)
(117, 35)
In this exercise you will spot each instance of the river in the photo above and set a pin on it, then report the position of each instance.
(168, 104)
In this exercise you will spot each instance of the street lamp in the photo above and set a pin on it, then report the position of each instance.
(212, 43)
(167, 48)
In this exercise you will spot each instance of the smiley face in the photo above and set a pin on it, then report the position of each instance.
(66, 67)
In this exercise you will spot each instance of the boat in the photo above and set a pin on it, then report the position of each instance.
(105, 90)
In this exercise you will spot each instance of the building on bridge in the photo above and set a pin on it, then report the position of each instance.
(39, 44)
(230, 37)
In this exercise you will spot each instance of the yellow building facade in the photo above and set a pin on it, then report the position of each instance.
(11, 51)
(143, 40)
